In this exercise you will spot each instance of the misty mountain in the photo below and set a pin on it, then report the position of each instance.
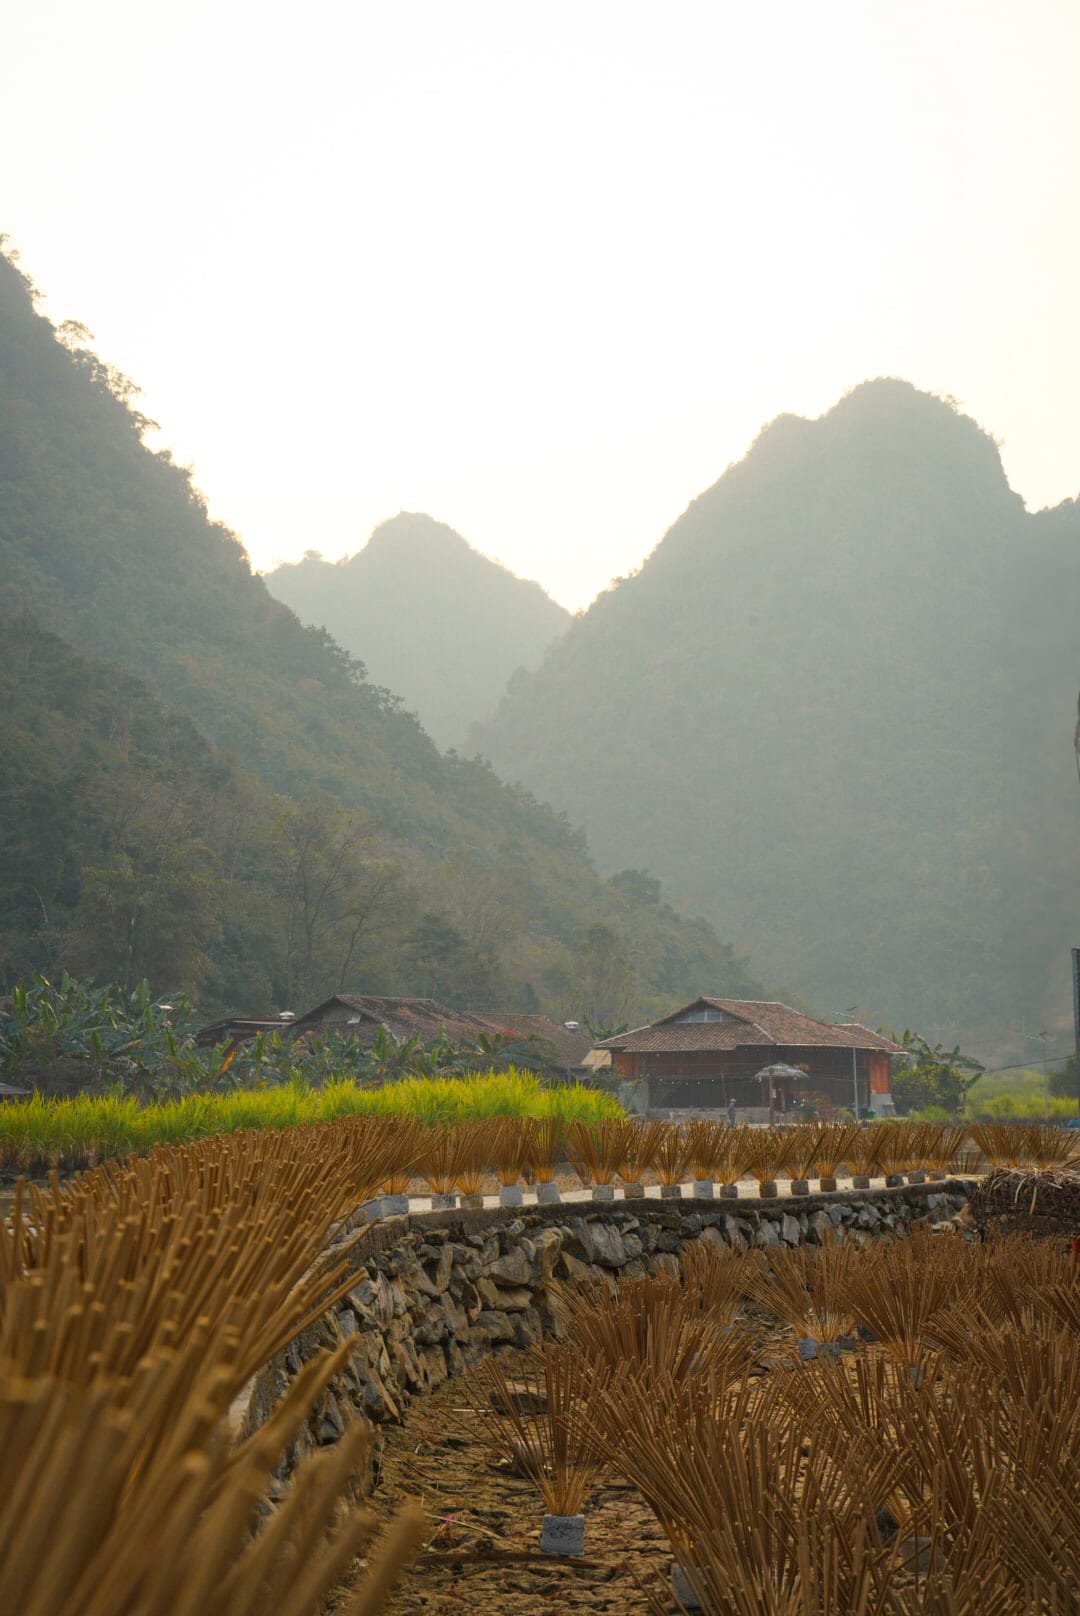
(430, 617)
(196, 788)
(834, 711)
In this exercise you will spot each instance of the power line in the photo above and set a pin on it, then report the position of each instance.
(992, 1071)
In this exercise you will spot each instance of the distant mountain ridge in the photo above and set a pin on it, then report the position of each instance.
(834, 710)
(430, 617)
(196, 788)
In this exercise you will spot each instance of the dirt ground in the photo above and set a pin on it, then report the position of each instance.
(484, 1552)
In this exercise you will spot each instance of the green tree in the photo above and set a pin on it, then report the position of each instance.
(604, 981)
(153, 921)
(1065, 1081)
(336, 888)
(933, 1077)
(446, 965)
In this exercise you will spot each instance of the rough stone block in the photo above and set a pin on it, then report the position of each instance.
(493, 1325)
(573, 1269)
(511, 1269)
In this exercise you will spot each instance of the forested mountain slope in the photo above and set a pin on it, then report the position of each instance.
(196, 787)
(430, 617)
(834, 709)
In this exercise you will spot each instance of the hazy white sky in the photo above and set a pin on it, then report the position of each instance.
(543, 270)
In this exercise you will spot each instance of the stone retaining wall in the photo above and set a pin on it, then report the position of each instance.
(436, 1290)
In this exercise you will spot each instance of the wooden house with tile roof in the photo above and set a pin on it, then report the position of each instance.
(715, 1051)
(545, 1043)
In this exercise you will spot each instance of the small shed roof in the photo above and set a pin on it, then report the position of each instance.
(238, 1029)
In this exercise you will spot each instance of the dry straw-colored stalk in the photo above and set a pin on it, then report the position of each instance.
(894, 1154)
(1014, 1280)
(863, 1150)
(547, 1147)
(662, 1323)
(898, 1288)
(473, 1157)
(96, 1273)
(507, 1145)
(646, 1438)
(944, 1146)
(409, 1143)
(759, 1525)
(135, 1302)
(835, 1140)
(642, 1140)
(672, 1155)
(772, 1152)
(597, 1150)
(710, 1149)
(443, 1154)
(1004, 1144)
(717, 1279)
(805, 1142)
(537, 1419)
(741, 1149)
(808, 1288)
(123, 1496)
(1050, 1146)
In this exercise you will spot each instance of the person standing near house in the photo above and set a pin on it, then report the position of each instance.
(731, 1109)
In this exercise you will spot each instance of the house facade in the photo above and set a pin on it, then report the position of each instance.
(767, 1057)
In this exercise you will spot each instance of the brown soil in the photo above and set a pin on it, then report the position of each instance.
(483, 1555)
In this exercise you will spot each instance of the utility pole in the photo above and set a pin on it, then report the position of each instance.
(1076, 1003)
(854, 1061)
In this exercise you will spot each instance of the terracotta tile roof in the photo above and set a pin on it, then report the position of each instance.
(754, 1022)
(787, 1026)
(689, 1036)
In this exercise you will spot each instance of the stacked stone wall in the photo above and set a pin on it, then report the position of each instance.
(434, 1291)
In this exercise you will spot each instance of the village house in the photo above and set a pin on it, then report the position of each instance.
(764, 1056)
(554, 1045)
(360, 1015)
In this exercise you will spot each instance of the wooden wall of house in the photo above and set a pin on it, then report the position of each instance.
(708, 1079)
(704, 1063)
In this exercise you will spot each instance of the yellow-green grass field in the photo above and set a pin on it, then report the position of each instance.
(41, 1132)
